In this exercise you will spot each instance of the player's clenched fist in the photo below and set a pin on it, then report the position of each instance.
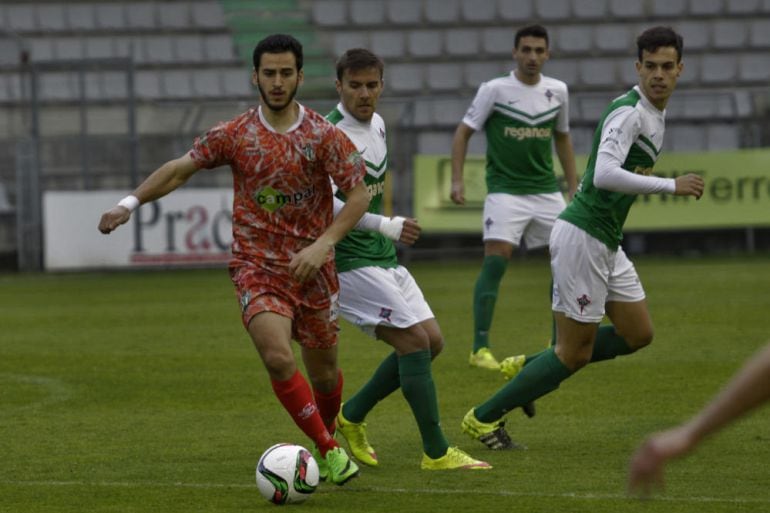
(113, 218)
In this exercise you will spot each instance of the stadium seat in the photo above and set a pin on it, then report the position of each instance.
(158, 49)
(449, 112)
(147, 85)
(667, 8)
(515, 10)
(129, 46)
(345, 40)
(626, 9)
(174, 15)
(58, 85)
(718, 68)
(759, 31)
(425, 43)
(207, 83)
(590, 9)
(5, 90)
(367, 12)
(405, 77)
(442, 11)
(614, 38)
(177, 84)
(329, 13)
(565, 70)
(477, 72)
(81, 17)
(219, 47)
(497, 41)
(479, 11)
(553, 10)
(20, 18)
(696, 35)
(51, 17)
(445, 76)
(208, 15)
(140, 15)
(692, 70)
(68, 48)
(110, 16)
(754, 67)
(573, 39)
(41, 49)
(744, 6)
(462, 42)
(705, 7)
(597, 72)
(188, 48)
(404, 12)
(730, 34)
(236, 82)
(98, 48)
(388, 43)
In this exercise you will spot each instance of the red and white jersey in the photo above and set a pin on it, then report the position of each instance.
(283, 197)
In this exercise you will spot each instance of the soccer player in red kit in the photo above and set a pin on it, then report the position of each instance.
(281, 155)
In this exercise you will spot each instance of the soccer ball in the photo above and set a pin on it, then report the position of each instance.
(287, 474)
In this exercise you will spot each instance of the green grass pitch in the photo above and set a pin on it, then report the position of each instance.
(140, 392)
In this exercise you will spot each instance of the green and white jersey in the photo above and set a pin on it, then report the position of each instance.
(519, 121)
(365, 248)
(626, 146)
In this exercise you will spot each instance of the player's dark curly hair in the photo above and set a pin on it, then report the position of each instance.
(532, 31)
(278, 43)
(659, 37)
(357, 59)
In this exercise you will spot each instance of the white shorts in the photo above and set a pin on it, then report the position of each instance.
(587, 274)
(373, 296)
(508, 217)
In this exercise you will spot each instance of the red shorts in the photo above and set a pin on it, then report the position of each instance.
(311, 327)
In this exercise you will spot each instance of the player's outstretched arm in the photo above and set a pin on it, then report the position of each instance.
(459, 151)
(162, 181)
(746, 391)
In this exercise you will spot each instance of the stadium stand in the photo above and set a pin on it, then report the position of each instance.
(188, 63)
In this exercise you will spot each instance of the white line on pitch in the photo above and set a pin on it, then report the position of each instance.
(376, 489)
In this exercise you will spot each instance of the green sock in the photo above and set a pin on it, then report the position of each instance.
(540, 377)
(383, 383)
(420, 392)
(609, 344)
(485, 297)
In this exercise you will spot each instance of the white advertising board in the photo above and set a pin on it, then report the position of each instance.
(190, 227)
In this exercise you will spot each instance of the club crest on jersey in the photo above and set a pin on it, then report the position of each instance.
(309, 152)
(488, 223)
(382, 132)
(549, 95)
(385, 313)
(583, 301)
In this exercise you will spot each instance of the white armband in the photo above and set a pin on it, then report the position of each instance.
(391, 227)
(130, 202)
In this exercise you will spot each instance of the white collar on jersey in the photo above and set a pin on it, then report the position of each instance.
(352, 118)
(647, 103)
(296, 124)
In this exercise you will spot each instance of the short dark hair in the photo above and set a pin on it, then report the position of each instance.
(278, 43)
(358, 59)
(659, 37)
(533, 31)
